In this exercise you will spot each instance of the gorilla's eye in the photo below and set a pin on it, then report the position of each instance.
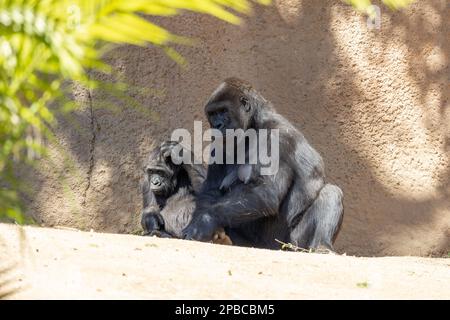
(156, 172)
(244, 103)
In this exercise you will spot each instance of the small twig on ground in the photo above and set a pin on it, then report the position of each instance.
(66, 228)
(290, 246)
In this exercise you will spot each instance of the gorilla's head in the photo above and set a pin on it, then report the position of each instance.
(234, 105)
(162, 173)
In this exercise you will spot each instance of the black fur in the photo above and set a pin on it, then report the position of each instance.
(168, 193)
(294, 205)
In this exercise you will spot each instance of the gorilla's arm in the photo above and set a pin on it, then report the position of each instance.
(243, 203)
(151, 218)
(210, 192)
(197, 175)
(196, 172)
(149, 198)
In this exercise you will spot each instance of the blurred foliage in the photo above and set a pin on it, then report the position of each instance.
(46, 42)
(365, 6)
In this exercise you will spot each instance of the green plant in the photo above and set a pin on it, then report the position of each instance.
(365, 6)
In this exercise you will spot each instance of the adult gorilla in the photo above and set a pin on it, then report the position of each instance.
(293, 205)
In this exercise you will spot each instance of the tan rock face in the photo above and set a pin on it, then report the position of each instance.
(374, 103)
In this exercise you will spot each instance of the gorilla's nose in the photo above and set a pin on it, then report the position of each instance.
(219, 126)
(156, 181)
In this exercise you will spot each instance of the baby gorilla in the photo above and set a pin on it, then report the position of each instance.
(169, 195)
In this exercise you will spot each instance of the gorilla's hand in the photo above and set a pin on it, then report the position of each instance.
(151, 222)
(202, 227)
(163, 234)
(167, 147)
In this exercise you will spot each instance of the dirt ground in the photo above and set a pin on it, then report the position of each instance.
(42, 263)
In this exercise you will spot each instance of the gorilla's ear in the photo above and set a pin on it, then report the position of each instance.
(244, 102)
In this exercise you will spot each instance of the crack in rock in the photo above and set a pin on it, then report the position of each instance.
(92, 146)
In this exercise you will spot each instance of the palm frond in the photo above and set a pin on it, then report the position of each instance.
(365, 6)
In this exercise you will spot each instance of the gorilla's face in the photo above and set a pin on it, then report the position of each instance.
(221, 117)
(229, 110)
(162, 180)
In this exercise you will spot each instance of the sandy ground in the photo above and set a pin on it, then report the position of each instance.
(46, 263)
